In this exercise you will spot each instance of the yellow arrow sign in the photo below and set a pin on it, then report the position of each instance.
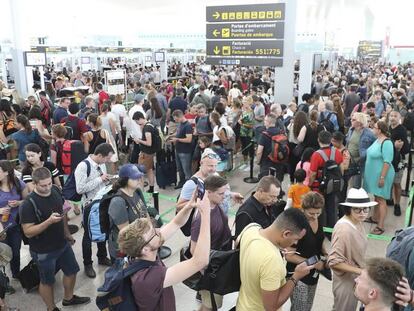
(216, 50)
(216, 32)
(216, 15)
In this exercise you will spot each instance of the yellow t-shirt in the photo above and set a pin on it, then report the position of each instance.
(296, 192)
(261, 267)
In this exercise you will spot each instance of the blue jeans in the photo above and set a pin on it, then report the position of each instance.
(14, 240)
(183, 161)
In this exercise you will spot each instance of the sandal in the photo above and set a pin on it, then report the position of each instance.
(76, 210)
(370, 220)
(377, 231)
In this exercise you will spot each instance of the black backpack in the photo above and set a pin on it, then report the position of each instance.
(192, 94)
(327, 123)
(72, 129)
(331, 180)
(409, 121)
(186, 229)
(156, 139)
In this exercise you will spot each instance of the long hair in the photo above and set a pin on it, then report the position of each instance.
(12, 180)
(155, 108)
(24, 121)
(121, 182)
(299, 121)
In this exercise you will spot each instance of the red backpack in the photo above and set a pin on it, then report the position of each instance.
(72, 153)
(280, 148)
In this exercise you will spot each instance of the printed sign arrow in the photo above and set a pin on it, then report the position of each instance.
(216, 50)
(216, 32)
(216, 15)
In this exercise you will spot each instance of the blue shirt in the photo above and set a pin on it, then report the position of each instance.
(177, 103)
(10, 196)
(332, 118)
(59, 114)
(380, 107)
(22, 139)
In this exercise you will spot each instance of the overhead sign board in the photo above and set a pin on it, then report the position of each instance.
(370, 49)
(34, 58)
(50, 49)
(246, 35)
(246, 13)
(262, 30)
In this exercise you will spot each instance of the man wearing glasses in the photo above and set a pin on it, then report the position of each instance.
(91, 176)
(152, 287)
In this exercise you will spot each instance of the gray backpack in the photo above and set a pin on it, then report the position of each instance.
(401, 246)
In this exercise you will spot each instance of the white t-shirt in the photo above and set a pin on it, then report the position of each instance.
(131, 126)
(235, 92)
(119, 111)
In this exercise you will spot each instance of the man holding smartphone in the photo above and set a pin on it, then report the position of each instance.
(49, 240)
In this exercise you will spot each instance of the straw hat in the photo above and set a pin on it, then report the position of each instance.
(358, 198)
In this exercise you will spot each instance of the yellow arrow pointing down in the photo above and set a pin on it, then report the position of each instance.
(216, 50)
(216, 32)
(216, 15)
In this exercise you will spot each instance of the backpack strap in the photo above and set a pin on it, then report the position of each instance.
(136, 266)
(38, 214)
(323, 155)
(332, 157)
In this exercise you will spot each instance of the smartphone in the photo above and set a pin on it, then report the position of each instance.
(5, 229)
(311, 261)
(200, 189)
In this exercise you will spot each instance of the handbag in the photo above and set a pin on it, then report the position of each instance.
(298, 150)
(4, 282)
(192, 281)
(29, 276)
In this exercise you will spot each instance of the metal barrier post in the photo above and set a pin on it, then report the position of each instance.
(251, 179)
(405, 192)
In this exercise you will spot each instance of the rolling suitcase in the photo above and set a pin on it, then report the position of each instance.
(166, 169)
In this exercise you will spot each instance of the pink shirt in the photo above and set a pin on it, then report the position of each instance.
(306, 167)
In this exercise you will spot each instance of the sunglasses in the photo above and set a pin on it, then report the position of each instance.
(150, 239)
(359, 210)
(211, 156)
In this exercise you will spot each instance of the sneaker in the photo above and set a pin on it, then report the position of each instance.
(397, 210)
(76, 300)
(90, 272)
(105, 262)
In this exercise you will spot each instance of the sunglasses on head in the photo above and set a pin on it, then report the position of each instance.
(211, 156)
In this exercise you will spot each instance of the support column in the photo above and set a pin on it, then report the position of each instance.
(305, 73)
(20, 45)
(284, 75)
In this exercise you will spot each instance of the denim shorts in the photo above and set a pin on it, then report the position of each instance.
(50, 263)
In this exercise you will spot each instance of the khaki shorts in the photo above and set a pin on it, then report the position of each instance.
(398, 177)
(147, 160)
(206, 299)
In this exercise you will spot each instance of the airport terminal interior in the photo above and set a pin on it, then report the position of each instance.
(296, 115)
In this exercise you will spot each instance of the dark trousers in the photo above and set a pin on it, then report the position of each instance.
(87, 249)
(134, 153)
(14, 240)
(265, 166)
(329, 215)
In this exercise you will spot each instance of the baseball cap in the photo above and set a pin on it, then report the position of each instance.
(130, 171)
(139, 98)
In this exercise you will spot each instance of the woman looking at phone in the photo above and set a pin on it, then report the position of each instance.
(12, 193)
(310, 245)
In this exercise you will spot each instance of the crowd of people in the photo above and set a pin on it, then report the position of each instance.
(345, 140)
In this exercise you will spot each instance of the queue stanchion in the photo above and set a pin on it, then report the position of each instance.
(405, 192)
(164, 251)
(251, 179)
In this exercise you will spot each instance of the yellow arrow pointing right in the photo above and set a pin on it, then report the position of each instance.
(216, 50)
(216, 32)
(216, 15)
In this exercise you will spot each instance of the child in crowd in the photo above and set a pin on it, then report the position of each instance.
(298, 190)
(304, 163)
(191, 115)
(203, 143)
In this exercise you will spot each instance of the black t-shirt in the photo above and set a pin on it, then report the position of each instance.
(177, 103)
(28, 170)
(397, 133)
(148, 128)
(182, 131)
(53, 238)
(311, 137)
(265, 140)
(310, 245)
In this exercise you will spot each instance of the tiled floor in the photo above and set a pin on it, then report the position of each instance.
(185, 298)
